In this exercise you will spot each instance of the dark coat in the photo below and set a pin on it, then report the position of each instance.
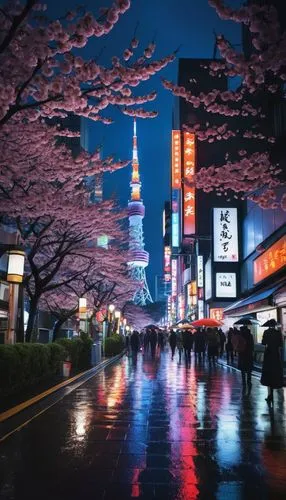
(188, 340)
(272, 369)
(200, 341)
(134, 341)
(213, 341)
(245, 358)
(173, 339)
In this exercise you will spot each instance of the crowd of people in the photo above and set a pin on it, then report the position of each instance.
(212, 343)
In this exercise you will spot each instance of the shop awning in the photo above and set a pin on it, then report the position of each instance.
(255, 302)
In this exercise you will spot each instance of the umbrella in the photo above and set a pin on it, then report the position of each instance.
(206, 322)
(271, 323)
(184, 326)
(247, 320)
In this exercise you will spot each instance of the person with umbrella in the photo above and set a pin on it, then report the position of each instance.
(199, 344)
(173, 342)
(229, 346)
(213, 342)
(243, 344)
(188, 340)
(272, 369)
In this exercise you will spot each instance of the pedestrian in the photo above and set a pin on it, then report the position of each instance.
(161, 339)
(244, 346)
(153, 341)
(127, 344)
(180, 346)
(213, 342)
(173, 342)
(199, 344)
(222, 339)
(146, 340)
(135, 343)
(235, 332)
(272, 368)
(188, 341)
(229, 346)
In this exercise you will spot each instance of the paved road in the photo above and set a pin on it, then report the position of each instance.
(155, 429)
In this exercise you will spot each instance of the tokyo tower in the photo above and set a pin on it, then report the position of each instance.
(139, 258)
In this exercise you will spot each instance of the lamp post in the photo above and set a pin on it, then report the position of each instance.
(111, 308)
(117, 315)
(124, 323)
(82, 309)
(15, 273)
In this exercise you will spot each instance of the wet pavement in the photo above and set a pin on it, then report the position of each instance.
(151, 429)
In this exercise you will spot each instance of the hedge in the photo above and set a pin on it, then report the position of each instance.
(23, 365)
(78, 351)
(113, 345)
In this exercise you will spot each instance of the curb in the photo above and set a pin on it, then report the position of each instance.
(87, 374)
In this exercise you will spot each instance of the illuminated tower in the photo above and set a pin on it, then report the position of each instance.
(139, 258)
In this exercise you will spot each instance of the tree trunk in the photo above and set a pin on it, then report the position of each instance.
(32, 318)
(57, 327)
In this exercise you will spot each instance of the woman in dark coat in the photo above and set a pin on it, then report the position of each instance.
(272, 369)
(245, 356)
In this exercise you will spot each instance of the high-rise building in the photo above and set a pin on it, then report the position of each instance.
(193, 296)
(139, 258)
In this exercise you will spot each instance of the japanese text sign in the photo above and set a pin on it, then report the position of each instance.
(200, 271)
(176, 159)
(189, 206)
(270, 261)
(225, 235)
(167, 263)
(226, 285)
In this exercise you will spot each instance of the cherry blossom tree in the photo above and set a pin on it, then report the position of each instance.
(96, 283)
(136, 316)
(44, 195)
(253, 172)
(43, 73)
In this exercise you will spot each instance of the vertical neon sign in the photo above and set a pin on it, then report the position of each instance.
(176, 184)
(189, 206)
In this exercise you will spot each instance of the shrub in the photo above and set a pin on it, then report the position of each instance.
(23, 365)
(113, 345)
(78, 351)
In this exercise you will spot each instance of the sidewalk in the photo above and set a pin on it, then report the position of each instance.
(151, 428)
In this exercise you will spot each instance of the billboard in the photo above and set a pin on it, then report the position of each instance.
(200, 309)
(216, 313)
(225, 235)
(189, 207)
(208, 279)
(270, 261)
(226, 285)
(200, 271)
(167, 264)
(175, 217)
(176, 160)
(174, 277)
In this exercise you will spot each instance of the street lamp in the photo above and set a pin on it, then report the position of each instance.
(117, 315)
(82, 309)
(15, 273)
(111, 308)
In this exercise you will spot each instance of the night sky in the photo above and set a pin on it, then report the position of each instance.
(186, 23)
